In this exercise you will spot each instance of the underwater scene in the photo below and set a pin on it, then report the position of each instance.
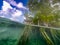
(29, 22)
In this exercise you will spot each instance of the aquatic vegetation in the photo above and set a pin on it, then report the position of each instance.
(45, 14)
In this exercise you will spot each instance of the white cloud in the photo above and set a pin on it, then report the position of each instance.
(5, 6)
(17, 13)
(20, 5)
(13, 3)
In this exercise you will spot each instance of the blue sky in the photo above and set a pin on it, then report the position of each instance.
(23, 1)
(1, 3)
(19, 14)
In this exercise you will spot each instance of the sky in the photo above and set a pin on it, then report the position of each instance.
(17, 1)
(23, 1)
(15, 6)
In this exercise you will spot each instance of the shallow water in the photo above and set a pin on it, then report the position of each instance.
(13, 33)
(29, 36)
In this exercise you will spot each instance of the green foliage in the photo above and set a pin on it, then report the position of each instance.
(44, 16)
(36, 4)
(44, 13)
(39, 36)
(55, 1)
